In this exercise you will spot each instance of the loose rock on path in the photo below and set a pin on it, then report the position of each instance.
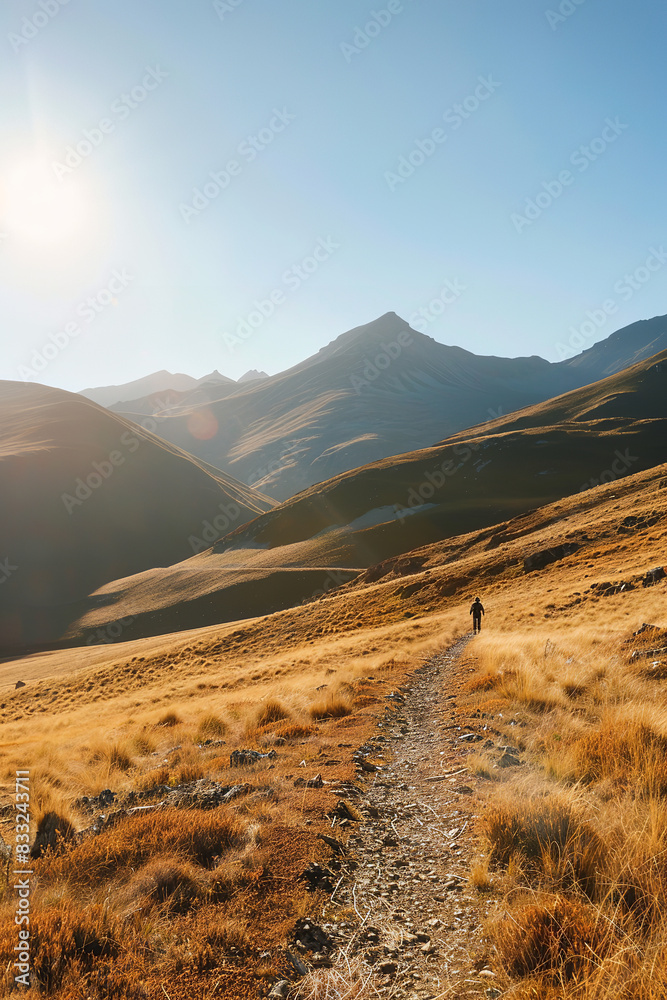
(419, 920)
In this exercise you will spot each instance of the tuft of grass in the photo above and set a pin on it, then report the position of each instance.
(633, 755)
(169, 719)
(334, 706)
(154, 779)
(209, 726)
(294, 730)
(66, 942)
(480, 878)
(348, 977)
(134, 840)
(553, 841)
(563, 939)
(207, 940)
(113, 755)
(272, 710)
(168, 882)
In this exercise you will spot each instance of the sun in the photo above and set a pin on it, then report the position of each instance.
(41, 210)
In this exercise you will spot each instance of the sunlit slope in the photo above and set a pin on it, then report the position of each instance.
(318, 540)
(480, 476)
(378, 390)
(87, 497)
(637, 393)
(375, 391)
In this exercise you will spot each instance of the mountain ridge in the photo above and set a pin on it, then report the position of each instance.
(377, 390)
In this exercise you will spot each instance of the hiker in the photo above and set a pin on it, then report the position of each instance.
(477, 610)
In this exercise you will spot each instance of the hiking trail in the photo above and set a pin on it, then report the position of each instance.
(420, 920)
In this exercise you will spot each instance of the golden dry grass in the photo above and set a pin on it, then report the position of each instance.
(551, 671)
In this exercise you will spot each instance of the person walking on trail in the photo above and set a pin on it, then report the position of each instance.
(477, 610)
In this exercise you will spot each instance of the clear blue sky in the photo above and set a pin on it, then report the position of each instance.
(219, 72)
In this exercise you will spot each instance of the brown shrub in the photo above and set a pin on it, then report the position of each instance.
(133, 841)
(553, 840)
(563, 939)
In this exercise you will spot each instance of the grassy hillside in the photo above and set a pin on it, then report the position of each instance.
(87, 497)
(324, 536)
(375, 391)
(477, 477)
(193, 901)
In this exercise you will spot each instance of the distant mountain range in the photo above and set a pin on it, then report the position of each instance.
(161, 383)
(361, 519)
(375, 391)
(107, 526)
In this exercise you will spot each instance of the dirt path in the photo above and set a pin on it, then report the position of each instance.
(421, 918)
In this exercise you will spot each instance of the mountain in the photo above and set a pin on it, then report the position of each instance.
(623, 348)
(375, 391)
(161, 382)
(252, 376)
(363, 519)
(87, 497)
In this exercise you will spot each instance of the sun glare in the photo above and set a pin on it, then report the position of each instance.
(41, 210)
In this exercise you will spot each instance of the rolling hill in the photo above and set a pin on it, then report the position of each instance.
(87, 497)
(354, 522)
(378, 390)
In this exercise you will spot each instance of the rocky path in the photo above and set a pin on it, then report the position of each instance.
(421, 920)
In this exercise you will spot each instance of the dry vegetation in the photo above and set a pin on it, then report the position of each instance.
(576, 836)
(161, 896)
